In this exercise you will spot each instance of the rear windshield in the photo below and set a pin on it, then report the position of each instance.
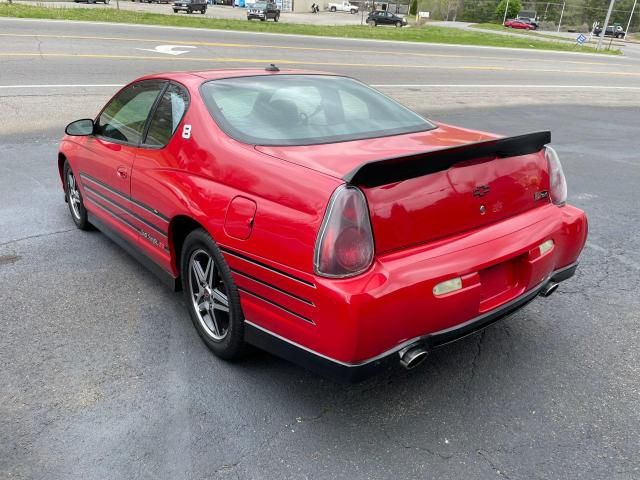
(305, 110)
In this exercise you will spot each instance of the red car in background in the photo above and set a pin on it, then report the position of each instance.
(316, 218)
(519, 24)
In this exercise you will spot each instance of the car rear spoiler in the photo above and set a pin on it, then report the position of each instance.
(396, 169)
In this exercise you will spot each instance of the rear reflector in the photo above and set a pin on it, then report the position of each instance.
(448, 286)
(545, 247)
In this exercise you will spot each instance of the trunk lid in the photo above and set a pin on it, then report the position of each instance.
(474, 191)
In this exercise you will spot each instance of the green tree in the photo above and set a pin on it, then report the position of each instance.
(413, 8)
(514, 8)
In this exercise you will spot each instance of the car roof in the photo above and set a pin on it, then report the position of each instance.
(229, 73)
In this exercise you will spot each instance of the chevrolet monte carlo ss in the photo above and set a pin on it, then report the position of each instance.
(312, 216)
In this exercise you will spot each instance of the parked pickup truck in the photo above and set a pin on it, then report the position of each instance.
(343, 7)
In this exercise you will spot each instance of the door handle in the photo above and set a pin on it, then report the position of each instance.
(122, 172)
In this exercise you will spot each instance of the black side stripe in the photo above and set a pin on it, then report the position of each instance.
(273, 287)
(126, 197)
(227, 251)
(133, 214)
(271, 302)
(139, 231)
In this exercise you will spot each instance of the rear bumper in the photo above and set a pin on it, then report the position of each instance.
(352, 322)
(345, 372)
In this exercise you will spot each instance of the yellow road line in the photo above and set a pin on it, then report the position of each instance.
(293, 48)
(262, 61)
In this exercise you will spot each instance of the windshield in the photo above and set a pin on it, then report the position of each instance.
(259, 5)
(305, 110)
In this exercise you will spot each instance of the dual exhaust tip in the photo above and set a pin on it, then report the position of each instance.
(414, 355)
(549, 288)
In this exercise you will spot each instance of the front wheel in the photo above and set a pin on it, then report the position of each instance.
(398, 24)
(371, 23)
(175, 11)
(74, 198)
(211, 296)
(333, 9)
(203, 11)
(353, 11)
(276, 18)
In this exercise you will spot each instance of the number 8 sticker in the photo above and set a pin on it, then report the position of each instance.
(186, 131)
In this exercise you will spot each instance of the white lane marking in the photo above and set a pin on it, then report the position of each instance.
(621, 258)
(480, 85)
(169, 49)
(594, 87)
(114, 85)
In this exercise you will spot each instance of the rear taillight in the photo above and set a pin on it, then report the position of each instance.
(557, 181)
(345, 243)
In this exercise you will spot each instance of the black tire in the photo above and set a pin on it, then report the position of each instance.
(333, 9)
(79, 213)
(276, 18)
(398, 24)
(372, 23)
(175, 11)
(203, 11)
(199, 243)
(189, 11)
(353, 11)
(262, 19)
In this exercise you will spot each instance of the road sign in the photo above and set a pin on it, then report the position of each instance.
(581, 39)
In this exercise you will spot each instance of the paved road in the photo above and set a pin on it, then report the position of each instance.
(103, 375)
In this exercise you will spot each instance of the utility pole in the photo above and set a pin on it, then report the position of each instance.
(561, 14)
(630, 17)
(604, 27)
(505, 12)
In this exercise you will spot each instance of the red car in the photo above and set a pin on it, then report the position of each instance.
(520, 24)
(314, 217)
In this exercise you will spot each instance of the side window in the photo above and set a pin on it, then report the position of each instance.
(125, 116)
(167, 116)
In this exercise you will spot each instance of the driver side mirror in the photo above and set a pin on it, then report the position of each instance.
(80, 128)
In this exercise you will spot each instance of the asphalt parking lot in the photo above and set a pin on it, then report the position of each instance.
(219, 11)
(104, 376)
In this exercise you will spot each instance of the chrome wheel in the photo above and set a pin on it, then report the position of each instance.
(208, 295)
(73, 195)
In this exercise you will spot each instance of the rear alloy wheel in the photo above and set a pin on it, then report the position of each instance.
(74, 199)
(212, 297)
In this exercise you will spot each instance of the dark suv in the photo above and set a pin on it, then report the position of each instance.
(611, 31)
(263, 11)
(385, 18)
(190, 6)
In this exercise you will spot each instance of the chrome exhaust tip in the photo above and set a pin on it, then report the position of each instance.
(412, 356)
(549, 288)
